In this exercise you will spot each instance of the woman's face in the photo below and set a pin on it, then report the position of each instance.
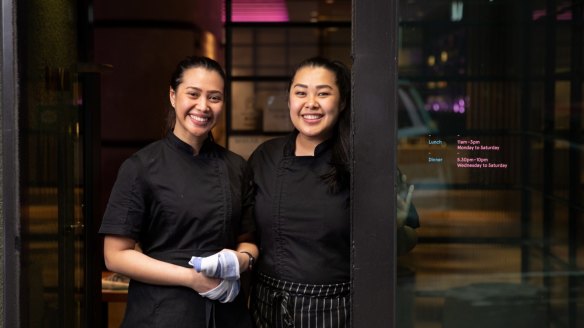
(198, 103)
(314, 103)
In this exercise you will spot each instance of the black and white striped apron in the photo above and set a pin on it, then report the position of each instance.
(278, 303)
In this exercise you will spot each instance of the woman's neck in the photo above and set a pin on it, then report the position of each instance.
(195, 142)
(306, 146)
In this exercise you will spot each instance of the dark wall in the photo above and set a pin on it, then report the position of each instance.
(142, 41)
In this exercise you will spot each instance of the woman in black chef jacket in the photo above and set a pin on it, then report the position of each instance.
(302, 206)
(180, 197)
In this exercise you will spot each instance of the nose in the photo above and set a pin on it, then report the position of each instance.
(311, 102)
(202, 104)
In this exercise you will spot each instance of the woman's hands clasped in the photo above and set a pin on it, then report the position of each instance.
(223, 265)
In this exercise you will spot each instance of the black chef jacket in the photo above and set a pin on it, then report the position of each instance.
(303, 229)
(177, 205)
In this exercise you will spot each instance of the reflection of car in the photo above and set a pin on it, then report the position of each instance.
(413, 118)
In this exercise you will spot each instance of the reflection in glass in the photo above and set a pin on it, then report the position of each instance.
(497, 163)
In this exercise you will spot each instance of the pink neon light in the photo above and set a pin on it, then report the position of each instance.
(257, 11)
(563, 12)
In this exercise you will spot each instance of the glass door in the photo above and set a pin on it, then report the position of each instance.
(52, 125)
(52, 214)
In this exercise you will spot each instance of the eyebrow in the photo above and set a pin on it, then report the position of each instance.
(321, 86)
(201, 90)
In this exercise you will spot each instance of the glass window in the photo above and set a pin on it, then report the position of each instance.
(274, 50)
(495, 154)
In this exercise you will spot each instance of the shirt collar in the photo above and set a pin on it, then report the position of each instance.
(290, 146)
(185, 147)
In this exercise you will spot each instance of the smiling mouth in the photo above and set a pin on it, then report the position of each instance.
(312, 116)
(199, 119)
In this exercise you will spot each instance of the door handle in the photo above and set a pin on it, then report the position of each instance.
(76, 228)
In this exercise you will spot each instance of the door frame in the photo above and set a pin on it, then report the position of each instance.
(10, 168)
(374, 134)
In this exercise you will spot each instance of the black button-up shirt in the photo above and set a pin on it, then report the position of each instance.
(303, 229)
(177, 205)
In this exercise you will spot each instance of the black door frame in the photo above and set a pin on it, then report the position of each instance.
(10, 169)
(373, 202)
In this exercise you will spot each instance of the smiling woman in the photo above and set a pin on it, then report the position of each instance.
(196, 96)
(182, 197)
(302, 206)
(314, 107)
(197, 108)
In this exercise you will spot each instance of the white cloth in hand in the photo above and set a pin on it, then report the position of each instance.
(225, 292)
(222, 265)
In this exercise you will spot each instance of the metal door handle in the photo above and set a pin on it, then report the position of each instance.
(77, 228)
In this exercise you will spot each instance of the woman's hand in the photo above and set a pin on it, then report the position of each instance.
(223, 265)
(407, 237)
(201, 283)
(404, 200)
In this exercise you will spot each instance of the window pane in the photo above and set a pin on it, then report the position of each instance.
(490, 135)
(275, 51)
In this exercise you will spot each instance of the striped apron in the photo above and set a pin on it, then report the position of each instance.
(282, 304)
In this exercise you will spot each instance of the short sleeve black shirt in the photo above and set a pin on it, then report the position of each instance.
(177, 205)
